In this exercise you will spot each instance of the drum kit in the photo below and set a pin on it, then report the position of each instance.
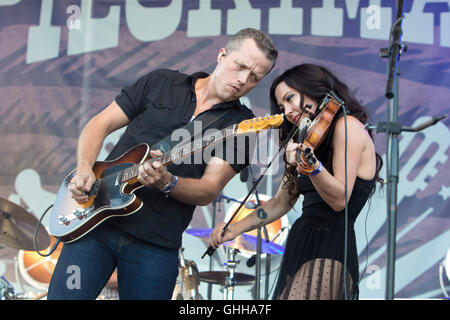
(17, 231)
(18, 228)
(230, 278)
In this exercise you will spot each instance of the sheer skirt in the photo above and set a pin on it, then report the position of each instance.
(319, 243)
(318, 279)
(313, 261)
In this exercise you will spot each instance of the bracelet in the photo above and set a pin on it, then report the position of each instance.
(170, 185)
(318, 170)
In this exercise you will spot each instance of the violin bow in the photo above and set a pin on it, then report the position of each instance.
(294, 130)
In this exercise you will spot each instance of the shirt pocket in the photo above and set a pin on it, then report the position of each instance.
(159, 113)
(155, 122)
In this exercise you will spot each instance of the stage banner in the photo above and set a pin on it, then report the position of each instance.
(63, 61)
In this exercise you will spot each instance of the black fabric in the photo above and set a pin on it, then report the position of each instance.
(319, 233)
(157, 104)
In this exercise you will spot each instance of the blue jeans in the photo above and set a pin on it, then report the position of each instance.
(144, 271)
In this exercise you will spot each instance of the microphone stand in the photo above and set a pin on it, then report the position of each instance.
(268, 256)
(394, 53)
(393, 129)
(258, 254)
(258, 257)
(213, 223)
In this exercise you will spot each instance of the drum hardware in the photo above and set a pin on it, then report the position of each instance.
(213, 220)
(258, 251)
(17, 274)
(256, 204)
(186, 287)
(7, 292)
(6, 289)
(228, 279)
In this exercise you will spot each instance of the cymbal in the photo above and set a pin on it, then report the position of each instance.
(223, 278)
(17, 228)
(243, 241)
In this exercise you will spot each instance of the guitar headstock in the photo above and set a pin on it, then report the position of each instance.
(258, 124)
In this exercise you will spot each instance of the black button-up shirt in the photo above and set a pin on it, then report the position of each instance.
(156, 105)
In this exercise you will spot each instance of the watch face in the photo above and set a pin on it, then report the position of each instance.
(169, 186)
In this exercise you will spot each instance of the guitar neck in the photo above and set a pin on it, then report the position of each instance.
(182, 151)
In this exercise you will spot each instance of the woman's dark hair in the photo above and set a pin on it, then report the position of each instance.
(316, 82)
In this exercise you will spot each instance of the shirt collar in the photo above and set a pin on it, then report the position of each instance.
(191, 79)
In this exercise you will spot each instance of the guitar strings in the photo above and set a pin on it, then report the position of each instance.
(114, 175)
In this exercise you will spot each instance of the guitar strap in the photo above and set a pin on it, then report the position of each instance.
(207, 118)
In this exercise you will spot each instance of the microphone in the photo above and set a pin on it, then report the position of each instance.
(243, 175)
(397, 128)
(428, 123)
(252, 260)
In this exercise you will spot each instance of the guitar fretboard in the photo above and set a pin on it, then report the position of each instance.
(181, 151)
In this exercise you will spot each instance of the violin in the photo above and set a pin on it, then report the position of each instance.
(317, 130)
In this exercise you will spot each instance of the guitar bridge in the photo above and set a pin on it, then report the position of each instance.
(63, 220)
(76, 214)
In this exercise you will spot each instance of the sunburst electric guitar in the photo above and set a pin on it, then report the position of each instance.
(112, 194)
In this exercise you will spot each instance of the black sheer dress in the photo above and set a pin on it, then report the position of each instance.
(312, 266)
(313, 262)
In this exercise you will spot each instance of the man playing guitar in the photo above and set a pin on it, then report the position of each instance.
(144, 245)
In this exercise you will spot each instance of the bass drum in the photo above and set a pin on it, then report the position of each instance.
(37, 270)
(186, 287)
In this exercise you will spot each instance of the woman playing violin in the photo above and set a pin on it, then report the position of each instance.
(314, 258)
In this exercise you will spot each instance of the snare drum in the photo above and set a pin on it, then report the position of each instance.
(36, 269)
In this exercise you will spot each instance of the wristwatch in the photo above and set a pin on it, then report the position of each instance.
(169, 185)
